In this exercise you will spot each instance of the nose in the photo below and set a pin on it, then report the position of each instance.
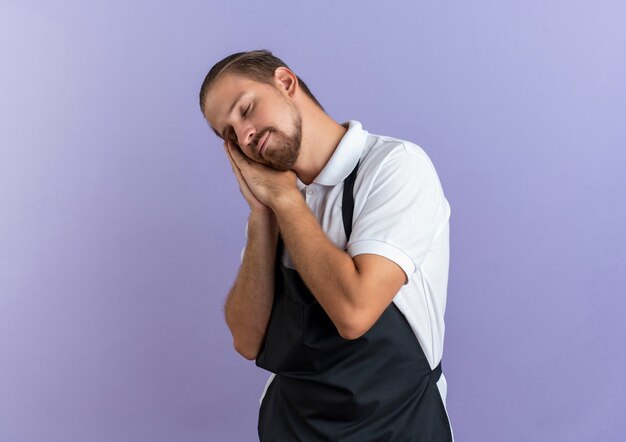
(245, 134)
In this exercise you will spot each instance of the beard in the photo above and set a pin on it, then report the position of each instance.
(285, 149)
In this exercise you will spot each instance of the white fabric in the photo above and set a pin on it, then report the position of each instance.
(401, 213)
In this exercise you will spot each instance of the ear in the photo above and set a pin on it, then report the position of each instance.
(286, 80)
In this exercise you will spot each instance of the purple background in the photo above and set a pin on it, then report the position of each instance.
(121, 226)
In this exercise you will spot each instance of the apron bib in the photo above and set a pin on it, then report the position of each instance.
(378, 387)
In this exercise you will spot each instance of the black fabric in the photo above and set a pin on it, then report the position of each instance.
(347, 201)
(378, 387)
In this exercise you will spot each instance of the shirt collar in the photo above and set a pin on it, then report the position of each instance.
(344, 158)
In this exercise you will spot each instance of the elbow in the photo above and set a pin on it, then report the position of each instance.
(247, 351)
(250, 356)
(350, 335)
(355, 321)
(353, 329)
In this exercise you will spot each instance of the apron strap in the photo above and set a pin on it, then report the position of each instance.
(347, 210)
(347, 207)
(436, 373)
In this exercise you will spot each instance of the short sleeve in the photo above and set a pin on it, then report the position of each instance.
(402, 212)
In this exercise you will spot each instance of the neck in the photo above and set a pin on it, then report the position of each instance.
(320, 137)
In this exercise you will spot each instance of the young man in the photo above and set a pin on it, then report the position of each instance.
(342, 287)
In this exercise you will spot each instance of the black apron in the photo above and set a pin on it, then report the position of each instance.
(378, 387)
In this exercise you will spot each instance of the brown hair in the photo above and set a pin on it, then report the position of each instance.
(257, 65)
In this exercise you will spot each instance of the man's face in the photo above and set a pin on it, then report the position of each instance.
(257, 117)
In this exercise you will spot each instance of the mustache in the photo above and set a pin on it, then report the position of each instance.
(259, 137)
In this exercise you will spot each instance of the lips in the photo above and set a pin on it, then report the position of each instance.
(262, 143)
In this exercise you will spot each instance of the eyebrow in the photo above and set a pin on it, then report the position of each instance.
(230, 110)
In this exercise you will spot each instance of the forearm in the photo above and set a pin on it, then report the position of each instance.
(329, 272)
(249, 302)
(353, 292)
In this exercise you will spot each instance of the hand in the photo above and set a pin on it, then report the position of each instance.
(264, 184)
(253, 202)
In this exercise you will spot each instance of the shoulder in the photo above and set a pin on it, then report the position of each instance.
(387, 158)
(399, 205)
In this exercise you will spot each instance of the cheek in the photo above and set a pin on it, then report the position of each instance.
(278, 115)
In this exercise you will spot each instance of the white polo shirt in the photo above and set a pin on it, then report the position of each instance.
(401, 213)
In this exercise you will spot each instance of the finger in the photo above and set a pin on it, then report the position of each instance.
(243, 185)
(228, 155)
(238, 157)
(235, 168)
(237, 160)
(244, 188)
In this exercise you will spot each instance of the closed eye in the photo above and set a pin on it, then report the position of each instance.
(243, 115)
